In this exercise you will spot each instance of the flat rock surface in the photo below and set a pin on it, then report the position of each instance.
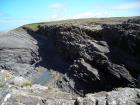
(124, 96)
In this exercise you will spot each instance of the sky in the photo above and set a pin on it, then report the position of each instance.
(14, 13)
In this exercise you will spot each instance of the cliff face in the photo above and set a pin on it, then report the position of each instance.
(99, 57)
(73, 59)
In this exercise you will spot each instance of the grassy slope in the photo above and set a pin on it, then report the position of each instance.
(112, 20)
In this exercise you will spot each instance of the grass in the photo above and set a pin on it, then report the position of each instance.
(1, 85)
(33, 27)
(111, 20)
(26, 84)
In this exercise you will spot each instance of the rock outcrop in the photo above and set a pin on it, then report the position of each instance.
(99, 57)
(125, 96)
(18, 52)
(15, 90)
(92, 60)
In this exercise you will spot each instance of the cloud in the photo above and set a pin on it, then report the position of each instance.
(3, 14)
(5, 21)
(93, 14)
(56, 6)
(11, 23)
(58, 16)
(84, 15)
(128, 6)
(8, 25)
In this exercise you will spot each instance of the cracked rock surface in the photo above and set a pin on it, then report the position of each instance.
(71, 64)
(99, 57)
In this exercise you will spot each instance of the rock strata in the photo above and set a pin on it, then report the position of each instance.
(71, 64)
(99, 57)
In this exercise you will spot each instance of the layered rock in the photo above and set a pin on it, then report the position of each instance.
(100, 57)
(18, 52)
(83, 58)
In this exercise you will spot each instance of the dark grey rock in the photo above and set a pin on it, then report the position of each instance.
(110, 55)
(88, 58)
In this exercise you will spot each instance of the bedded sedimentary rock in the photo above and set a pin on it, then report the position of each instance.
(99, 56)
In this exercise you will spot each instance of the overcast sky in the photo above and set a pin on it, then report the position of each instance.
(14, 13)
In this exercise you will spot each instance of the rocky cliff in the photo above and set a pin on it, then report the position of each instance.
(81, 59)
(99, 56)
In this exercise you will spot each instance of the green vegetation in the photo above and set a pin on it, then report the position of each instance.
(1, 84)
(112, 20)
(33, 27)
(26, 84)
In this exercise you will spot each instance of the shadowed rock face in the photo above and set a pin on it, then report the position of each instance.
(100, 57)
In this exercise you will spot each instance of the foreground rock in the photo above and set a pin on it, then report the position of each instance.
(20, 91)
(123, 96)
